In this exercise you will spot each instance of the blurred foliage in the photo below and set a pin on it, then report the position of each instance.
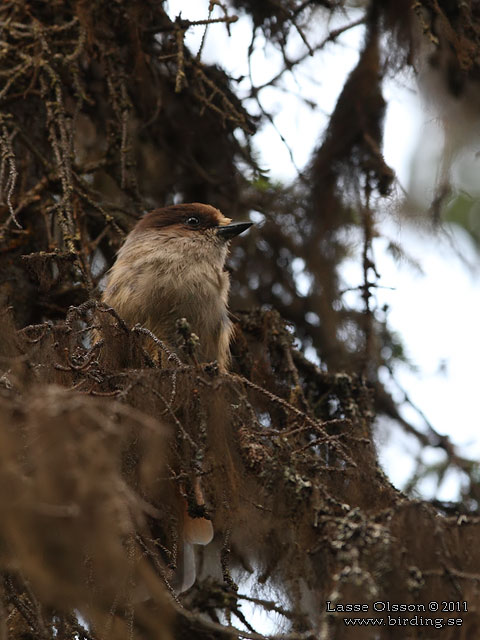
(463, 210)
(104, 114)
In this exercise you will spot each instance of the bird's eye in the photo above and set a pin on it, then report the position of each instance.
(193, 221)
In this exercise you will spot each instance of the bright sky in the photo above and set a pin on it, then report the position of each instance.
(436, 314)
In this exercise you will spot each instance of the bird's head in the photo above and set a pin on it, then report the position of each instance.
(192, 221)
(195, 227)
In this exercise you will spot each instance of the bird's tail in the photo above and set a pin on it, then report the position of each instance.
(197, 530)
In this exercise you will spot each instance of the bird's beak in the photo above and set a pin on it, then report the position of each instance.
(229, 231)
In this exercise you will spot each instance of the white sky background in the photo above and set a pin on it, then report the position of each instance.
(437, 315)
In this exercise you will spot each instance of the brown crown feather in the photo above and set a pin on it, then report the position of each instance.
(178, 213)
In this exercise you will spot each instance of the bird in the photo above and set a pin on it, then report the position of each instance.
(172, 267)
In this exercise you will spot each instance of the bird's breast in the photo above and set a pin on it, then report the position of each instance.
(158, 284)
(198, 293)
